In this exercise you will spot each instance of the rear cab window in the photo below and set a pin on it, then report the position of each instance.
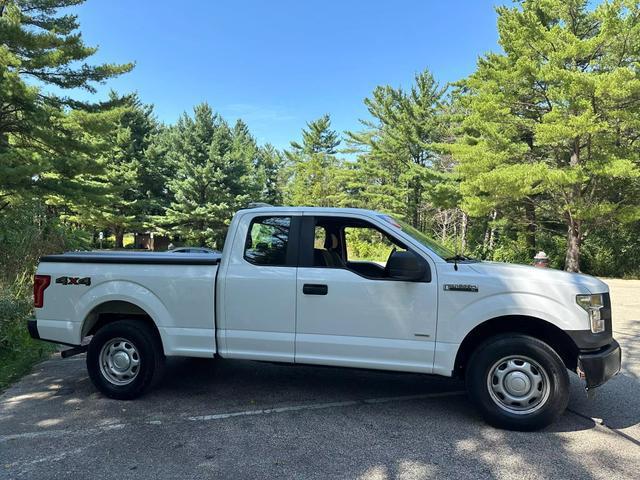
(267, 241)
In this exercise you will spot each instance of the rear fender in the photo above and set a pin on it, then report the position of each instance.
(119, 290)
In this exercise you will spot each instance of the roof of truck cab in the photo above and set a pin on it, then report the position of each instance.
(313, 210)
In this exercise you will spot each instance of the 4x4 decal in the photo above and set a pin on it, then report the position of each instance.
(74, 281)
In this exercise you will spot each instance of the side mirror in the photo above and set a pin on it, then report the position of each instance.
(408, 266)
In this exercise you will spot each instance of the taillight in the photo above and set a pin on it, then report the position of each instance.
(40, 283)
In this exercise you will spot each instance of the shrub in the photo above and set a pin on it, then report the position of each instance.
(18, 352)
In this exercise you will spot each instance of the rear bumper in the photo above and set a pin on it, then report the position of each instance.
(598, 367)
(57, 334)
(32, 326)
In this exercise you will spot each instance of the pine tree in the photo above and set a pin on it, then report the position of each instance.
(127, 176)
(48, 142)
(313, 166)
(270, 164)
(215, 174)
(551, 124)
(399, 168)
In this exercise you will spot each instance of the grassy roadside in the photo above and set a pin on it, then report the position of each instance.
(18, 351)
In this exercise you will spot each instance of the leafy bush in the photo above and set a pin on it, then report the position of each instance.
(18, 352)
(26, 234)
(613, 251)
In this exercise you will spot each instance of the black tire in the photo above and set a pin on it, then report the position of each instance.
(525, 357)
(144, 347)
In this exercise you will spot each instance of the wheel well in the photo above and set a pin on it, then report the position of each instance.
(553, 336)
(112, 311)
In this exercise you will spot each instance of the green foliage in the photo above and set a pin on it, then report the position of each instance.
(270, 164)
(399, 169)
(314, 169)
(18, 352)
(128, 178)
(318, 138)
(613, 251)
(551, 125)
(216, 172)
(48, 143)
(27, 234)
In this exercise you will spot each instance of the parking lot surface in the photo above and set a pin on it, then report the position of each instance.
(237, 419)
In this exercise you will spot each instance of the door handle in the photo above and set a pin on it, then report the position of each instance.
(314, 289)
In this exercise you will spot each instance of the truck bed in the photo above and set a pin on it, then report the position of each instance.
(175, 290)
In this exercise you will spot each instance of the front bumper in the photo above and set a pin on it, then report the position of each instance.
(599, 366)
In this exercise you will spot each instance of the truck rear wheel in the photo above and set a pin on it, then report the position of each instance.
(125, 359)
(518, 382)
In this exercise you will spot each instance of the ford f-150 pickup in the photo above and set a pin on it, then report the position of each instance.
(341, 287)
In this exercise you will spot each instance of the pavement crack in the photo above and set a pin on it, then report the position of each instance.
(603, 423)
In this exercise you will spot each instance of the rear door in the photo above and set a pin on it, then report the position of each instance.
(257, 289)
(348, 312)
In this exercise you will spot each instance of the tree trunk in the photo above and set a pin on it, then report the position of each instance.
(572, 259)
(490, 232)
(119, 234)
(463, 232)
(530, 213)
(445, 224)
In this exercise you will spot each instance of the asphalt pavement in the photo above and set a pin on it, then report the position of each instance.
(238, 419)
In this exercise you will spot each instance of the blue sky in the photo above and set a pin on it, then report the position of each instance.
(280, 63)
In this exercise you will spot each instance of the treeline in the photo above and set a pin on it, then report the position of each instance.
(538, 149)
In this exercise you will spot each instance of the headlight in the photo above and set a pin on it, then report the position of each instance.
(592, 305)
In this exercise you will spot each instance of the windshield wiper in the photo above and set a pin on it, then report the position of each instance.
(458, 258)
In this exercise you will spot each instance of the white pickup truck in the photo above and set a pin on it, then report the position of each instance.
(341, 287)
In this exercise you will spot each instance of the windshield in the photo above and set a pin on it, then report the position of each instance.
(425, 240)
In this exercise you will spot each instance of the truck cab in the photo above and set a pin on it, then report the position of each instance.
(341, 287)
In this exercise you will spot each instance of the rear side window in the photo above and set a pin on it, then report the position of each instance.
(267, 241)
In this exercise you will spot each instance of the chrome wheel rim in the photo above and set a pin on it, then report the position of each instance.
(119, 361)
(518, 384)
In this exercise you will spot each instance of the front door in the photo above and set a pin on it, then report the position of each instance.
(349, 311)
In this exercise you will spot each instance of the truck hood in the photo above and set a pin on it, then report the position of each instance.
(579, 281)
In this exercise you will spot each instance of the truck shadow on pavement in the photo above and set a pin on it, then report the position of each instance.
(249, 384)
(423, 427)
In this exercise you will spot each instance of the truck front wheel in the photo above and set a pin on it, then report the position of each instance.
(124, 359)
(518, 382)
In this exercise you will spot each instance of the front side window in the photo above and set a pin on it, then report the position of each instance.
(367, 244)
(267, 241)
(351, 244)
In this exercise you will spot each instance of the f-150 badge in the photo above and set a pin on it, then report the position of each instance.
(74, 281)
(460, 287)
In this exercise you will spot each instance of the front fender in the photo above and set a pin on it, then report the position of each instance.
(457, 318)
(454, 328)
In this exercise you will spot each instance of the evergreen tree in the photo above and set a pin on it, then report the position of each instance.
(551, 124)
(399, 169)
(48, 142)
(215, 174)
(270, 163)
(313, 166)
(318, 138)
(127, 177)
